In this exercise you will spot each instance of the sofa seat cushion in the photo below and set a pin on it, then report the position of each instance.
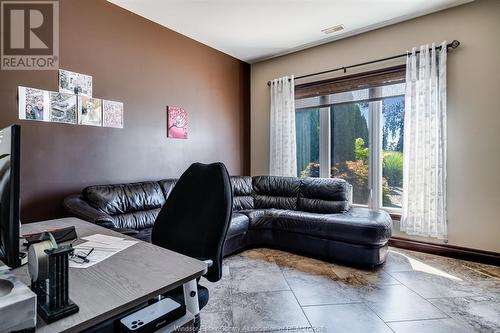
(125, 198)
(238, 225)
(358, 225)
(136, 220)
(259, 217)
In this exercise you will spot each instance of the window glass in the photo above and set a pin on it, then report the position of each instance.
(392, 154)
(307, 127)
(349, 147)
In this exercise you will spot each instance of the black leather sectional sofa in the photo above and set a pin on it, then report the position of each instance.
(312, 216)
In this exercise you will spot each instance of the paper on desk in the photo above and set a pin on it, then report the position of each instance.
(101, 251)
(103, 239)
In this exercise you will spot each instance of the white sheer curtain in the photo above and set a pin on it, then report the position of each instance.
(283, 148)
(424, 193)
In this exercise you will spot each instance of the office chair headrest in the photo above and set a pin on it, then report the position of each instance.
(196, 216)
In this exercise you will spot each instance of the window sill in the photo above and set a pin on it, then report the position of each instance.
(394, 213)
(395, 216)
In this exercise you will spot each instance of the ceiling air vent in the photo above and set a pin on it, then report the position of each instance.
(333, 29)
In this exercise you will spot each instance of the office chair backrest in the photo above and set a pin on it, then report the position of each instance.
(195, 218)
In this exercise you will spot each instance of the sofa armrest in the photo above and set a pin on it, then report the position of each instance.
(76, 206)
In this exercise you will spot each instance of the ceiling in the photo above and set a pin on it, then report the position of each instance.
(254, 30)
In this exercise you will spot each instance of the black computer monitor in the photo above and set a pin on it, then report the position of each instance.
(10, 149)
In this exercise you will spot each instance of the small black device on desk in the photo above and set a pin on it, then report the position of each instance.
(60, 235)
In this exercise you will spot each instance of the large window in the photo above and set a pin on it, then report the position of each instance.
(355, 134)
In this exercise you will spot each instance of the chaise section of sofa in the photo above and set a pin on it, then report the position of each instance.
(311, 216)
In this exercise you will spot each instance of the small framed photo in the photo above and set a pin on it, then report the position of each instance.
(75, 83)
(112, 114)
(33, 104)
(177, 122)
(89, 111)
(63, 108)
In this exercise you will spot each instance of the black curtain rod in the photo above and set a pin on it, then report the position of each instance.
(454, 44)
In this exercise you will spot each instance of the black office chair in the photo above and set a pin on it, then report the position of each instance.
(194, 221)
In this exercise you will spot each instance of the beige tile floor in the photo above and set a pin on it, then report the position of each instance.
(268, 290)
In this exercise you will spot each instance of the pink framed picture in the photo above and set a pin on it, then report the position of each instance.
(177, 122)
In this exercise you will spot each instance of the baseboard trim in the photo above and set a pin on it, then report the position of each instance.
(452, 251)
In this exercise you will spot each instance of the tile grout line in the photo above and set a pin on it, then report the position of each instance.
(275, 291)
(330, 304)
(417, 320)
(365, 303)
(452, 297)
(260, 292)
(296, 299)
(425, 299)
(263, 291)
(362, 302)
(231, 292)
(302, 307)
(376, 314)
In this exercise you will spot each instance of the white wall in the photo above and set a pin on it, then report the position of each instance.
(473, 105)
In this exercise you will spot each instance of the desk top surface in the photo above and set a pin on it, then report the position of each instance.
(118, 283)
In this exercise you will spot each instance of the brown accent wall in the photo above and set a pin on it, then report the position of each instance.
(147, 67)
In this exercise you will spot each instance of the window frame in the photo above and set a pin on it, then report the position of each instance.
(373, 81)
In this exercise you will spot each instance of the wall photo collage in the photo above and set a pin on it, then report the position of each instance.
(73, 104)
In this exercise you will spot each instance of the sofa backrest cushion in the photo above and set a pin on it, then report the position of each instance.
(137, 220)
(323, 195)
(242, 192)
(276, 192)
(167, 185)
(125, 198)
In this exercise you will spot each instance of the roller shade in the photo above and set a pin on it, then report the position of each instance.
(365, 80)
